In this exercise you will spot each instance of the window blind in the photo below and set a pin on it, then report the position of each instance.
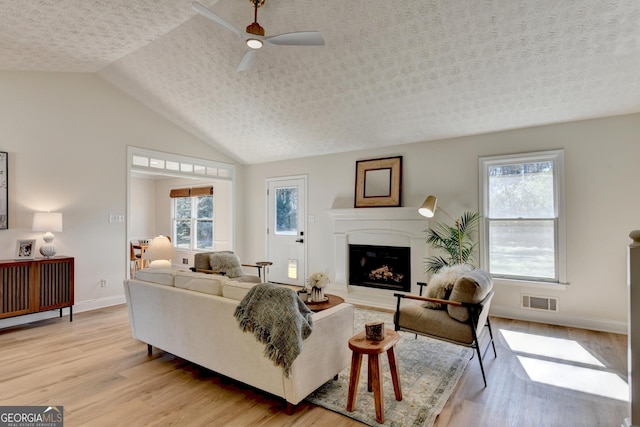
(191, 192)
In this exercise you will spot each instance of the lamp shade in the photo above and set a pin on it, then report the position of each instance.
(47, 221)
(160, 252)
(428, 207)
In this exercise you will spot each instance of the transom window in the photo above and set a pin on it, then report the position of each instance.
(522, 210)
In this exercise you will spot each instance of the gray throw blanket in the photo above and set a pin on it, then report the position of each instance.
(279, 319)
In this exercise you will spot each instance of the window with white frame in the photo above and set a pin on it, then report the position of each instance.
(522, 207)
(193, 211)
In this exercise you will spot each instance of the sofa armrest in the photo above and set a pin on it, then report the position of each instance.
(325, 353)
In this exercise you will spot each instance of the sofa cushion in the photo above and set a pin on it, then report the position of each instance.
(236, 290)
(226, 262)
(161, 276)
(248, 278)
(472, 287)
(200, 282)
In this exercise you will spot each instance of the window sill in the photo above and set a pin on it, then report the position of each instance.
(532, 284)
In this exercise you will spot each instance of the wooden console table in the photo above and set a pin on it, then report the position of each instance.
(36, 285)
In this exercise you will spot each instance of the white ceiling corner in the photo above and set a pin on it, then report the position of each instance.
(391, 72)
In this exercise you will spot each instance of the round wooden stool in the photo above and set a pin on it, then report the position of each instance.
(360, 345)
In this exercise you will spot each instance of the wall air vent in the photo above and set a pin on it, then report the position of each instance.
(534, 302)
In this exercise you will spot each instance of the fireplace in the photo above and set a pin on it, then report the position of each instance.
(386, 227)
(384, 267)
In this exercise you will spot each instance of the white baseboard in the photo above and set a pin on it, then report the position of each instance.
(78, 307)
(593, 323)
(95, 304)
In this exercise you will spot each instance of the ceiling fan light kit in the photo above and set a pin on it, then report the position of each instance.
(254, 35)
(254, 43)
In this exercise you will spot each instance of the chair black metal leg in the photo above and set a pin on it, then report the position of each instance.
(491, 335)
(484, 378)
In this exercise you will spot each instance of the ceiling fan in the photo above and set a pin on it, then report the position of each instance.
(254, 35)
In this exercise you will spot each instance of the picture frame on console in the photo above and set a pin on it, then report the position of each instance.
(25, 249)
(378, 182)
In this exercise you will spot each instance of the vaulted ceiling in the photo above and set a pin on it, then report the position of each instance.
(391, 72)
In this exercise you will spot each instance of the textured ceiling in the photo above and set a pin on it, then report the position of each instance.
(392, 72)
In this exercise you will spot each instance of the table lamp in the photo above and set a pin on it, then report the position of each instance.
(48, 222)
(160, 252)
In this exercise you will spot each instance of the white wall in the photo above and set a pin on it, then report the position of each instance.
(66, 135)
(142, 214)
(600, 159)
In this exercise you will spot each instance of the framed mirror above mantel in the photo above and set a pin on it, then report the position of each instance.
(378, 182)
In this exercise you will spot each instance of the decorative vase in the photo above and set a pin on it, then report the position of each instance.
(317, 294)
(374, 331)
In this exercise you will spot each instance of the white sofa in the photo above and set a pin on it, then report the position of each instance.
(191, 315)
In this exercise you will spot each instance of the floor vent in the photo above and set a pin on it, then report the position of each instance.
(540, 303)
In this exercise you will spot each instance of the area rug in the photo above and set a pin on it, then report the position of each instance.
(429, 372)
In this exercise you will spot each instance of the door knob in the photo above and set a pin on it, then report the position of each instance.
(299, 240)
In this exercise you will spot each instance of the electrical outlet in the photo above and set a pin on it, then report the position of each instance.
(185, 260)
(103, 283)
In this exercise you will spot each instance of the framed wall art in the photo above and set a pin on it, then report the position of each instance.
(4, 191)
(25, 249)
(378, 182)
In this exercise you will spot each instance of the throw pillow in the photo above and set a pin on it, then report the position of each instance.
(441, 284)
(471, 287)
(226, 262)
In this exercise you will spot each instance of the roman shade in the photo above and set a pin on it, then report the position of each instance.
(191, 192)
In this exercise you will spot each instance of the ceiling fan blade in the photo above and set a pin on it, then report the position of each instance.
(215, 18)
(301, 38)
(247, 61)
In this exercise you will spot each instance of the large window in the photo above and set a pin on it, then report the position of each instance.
(522, 205)
(193, 218)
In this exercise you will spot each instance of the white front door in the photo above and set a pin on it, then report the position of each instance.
(286, 240)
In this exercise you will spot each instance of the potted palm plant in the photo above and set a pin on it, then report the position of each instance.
(458, 242)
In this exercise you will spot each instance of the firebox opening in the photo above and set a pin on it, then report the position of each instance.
(384, 267)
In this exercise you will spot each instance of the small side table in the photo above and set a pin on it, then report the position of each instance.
(360, 345)
(265, 265)
(332, 301)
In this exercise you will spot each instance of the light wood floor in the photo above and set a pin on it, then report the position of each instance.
(103, 377)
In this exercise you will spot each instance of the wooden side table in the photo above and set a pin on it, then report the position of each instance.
(360, 345)
(332, 301)
(263, 265)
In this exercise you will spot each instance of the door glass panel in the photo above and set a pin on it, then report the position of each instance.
(286, 218)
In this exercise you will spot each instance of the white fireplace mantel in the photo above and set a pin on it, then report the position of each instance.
(375, 226)
(404, 214)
